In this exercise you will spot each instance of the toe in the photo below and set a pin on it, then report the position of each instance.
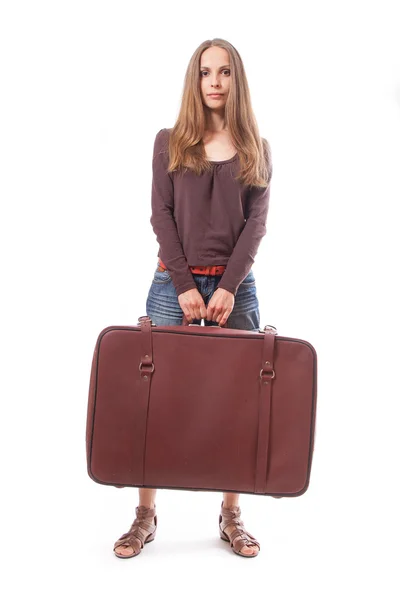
(124, 550)
(249, 550)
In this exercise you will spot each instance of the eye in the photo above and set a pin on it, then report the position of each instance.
(224, 71)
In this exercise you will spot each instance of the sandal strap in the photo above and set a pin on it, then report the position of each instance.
(239, 537)
(139, 530)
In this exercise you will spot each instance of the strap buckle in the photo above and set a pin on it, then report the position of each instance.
(145, 318)
(267, 373)
(270, 328)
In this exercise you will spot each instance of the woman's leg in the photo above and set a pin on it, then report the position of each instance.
(245, 315)
(231, 501)
(163, 308)
(147, 497)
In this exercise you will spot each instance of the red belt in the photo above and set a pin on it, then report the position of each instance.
(213, 270)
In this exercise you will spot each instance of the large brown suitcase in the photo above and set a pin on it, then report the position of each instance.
(201, 408)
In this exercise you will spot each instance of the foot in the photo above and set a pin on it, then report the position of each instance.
(232, 530)
(142, 531)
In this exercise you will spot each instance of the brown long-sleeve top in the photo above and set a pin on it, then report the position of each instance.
(203, 220)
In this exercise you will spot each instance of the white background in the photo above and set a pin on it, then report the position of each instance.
(85, 87)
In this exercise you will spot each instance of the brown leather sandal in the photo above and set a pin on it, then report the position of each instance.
(136, 536)
(239, 536)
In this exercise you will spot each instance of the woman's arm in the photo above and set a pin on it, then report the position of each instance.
(246, 247)
(162, 219)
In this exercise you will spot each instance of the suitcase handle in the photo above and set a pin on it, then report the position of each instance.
(270, 328)
(185, 322)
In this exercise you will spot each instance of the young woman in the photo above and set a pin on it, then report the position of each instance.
(210, 198)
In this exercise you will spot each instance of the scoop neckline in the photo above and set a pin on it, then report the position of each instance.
(216, 162)
(221, 162)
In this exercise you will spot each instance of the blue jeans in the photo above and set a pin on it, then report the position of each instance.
(163, 308)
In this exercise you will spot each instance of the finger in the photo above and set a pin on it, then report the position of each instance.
(219, 316)
(215, 315)
(196, 312)
(189, 312)
(200, 310)
(224, 317)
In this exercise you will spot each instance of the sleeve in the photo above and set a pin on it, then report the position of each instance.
(162, 217)
(246, 247)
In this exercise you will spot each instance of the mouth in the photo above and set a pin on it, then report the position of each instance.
(215, 95)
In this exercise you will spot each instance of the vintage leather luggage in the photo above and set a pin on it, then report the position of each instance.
(201, 408)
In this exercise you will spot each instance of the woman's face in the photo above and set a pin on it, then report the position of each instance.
(215, 76)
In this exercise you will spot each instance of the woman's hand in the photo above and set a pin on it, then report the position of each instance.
(192, 304)
(220, 306)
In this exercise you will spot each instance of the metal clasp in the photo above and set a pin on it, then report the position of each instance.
(152, 365)
(270, 328)
(270, 373)
(145, 318)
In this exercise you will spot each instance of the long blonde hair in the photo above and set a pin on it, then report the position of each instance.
(186, 148)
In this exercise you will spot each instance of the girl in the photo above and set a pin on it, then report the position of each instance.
(210, 198)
